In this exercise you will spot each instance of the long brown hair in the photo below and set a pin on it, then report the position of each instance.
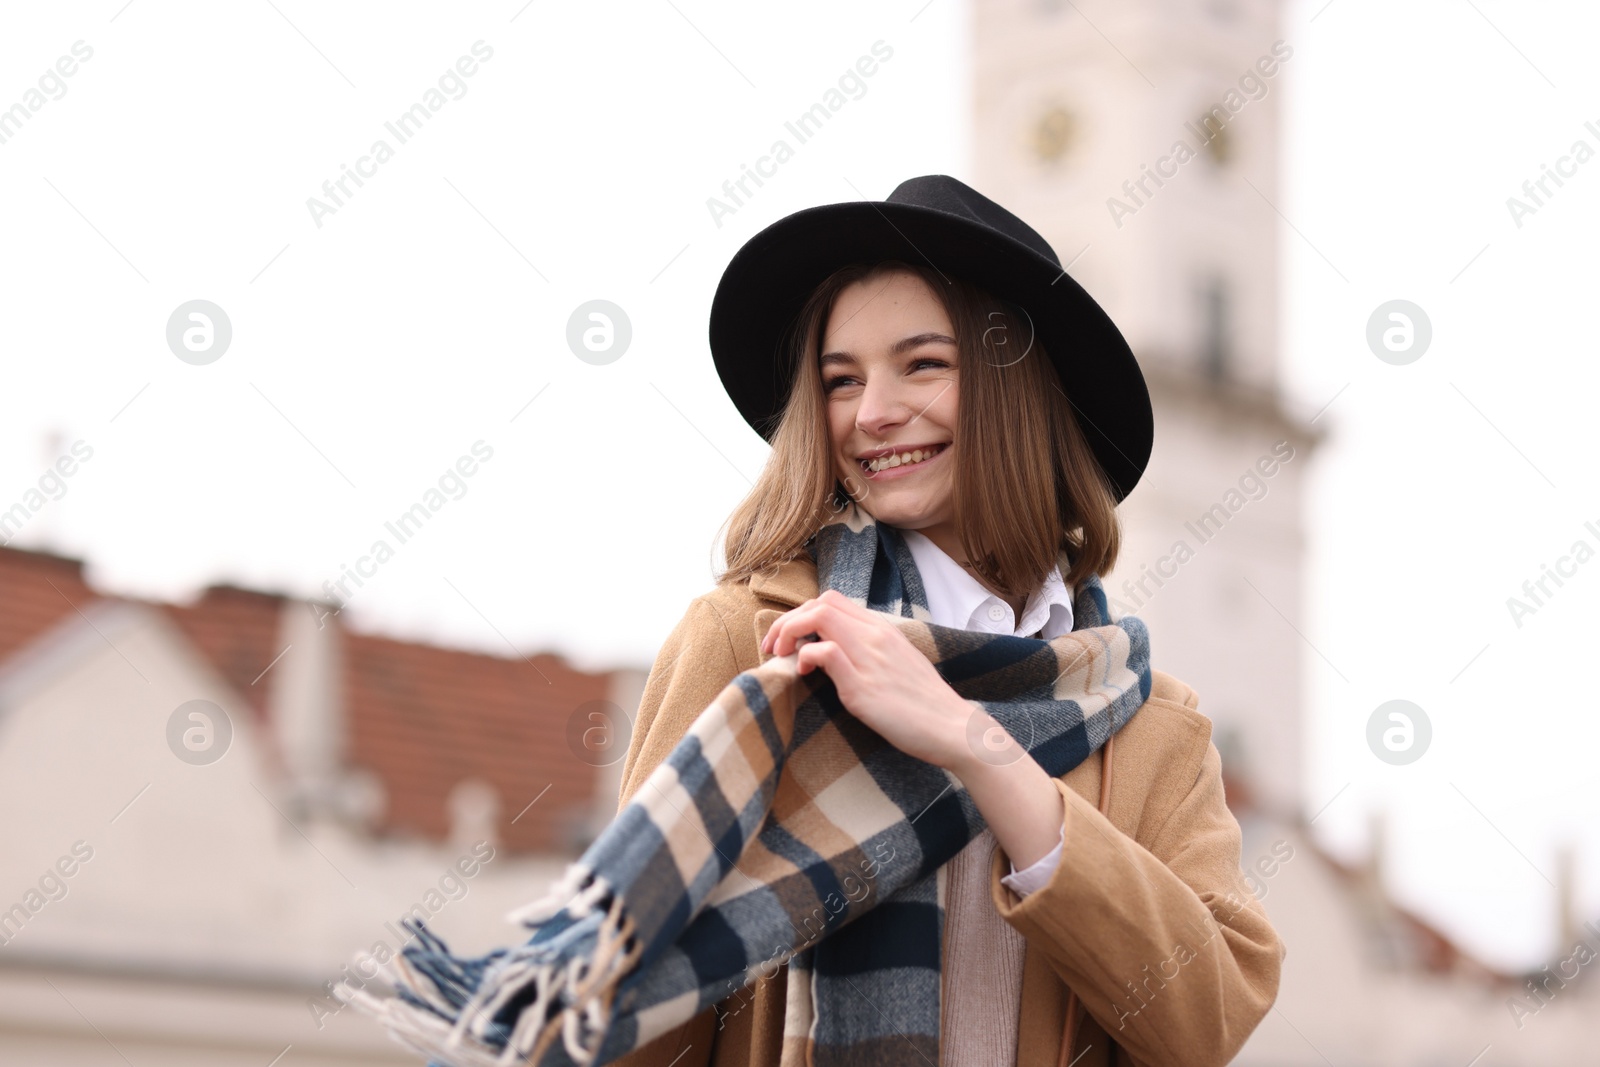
(1025, 485)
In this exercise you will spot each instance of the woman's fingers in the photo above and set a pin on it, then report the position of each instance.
(832, 615)
(792, 625)
(831, 658)
(785, 625)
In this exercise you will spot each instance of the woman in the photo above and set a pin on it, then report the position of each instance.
(926, 359)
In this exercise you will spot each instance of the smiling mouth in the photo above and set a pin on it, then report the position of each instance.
(912, 458)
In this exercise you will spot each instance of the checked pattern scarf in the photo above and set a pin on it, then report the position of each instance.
(780, 830)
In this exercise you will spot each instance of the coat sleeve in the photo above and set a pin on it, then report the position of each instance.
(693, 665)
(1166, 947)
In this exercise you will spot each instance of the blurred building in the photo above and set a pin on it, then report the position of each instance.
(1143, 139)
(211, 809)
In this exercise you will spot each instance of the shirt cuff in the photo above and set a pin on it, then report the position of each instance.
(1037, 874)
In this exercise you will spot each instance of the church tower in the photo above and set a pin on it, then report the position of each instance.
(1141, 138)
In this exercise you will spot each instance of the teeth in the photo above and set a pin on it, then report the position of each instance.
(889, 462)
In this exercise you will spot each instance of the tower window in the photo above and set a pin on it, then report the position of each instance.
(1054, 133)
(1215, 328)
(1219, 140)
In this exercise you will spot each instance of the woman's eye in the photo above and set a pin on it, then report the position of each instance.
(830, 384)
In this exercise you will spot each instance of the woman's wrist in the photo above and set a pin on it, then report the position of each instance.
(1019, 801)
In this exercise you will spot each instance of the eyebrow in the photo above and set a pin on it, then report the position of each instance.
(905, 344)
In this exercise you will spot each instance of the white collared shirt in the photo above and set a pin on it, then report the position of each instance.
(956, 598)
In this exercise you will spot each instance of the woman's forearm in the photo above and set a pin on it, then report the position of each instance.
(1018, 799)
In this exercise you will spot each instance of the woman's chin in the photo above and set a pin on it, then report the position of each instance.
(908, 511)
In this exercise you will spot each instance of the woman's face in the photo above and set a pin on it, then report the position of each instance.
(888, 368)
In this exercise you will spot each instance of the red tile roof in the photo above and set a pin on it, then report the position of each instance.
(1428, 948)
(236, 630)
(423, 718)
(419, 717)
(37, 590)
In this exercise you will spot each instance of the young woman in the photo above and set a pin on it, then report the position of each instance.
(925, 359)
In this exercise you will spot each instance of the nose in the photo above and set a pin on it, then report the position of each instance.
(883, 406)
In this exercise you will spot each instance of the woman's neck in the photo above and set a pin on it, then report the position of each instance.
(945, 538)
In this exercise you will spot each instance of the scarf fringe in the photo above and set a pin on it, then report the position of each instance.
(573, 892)
(572, 998)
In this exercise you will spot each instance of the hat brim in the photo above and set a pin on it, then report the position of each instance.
(767, 282)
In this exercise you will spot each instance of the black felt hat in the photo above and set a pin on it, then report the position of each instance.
(947, 224)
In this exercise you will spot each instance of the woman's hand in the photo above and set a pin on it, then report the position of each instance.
(880, 677)
(886, 683)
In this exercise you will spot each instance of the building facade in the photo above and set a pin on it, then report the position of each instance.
(1144, 140)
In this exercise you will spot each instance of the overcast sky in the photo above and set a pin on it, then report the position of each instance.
(382, 337)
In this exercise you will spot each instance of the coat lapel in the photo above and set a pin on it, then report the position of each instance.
(789, 586)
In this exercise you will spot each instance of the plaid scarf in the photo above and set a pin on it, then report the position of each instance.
(778, 820)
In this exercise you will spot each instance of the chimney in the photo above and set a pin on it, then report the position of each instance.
(1385, 938)
(1567, 934)
(305, 708)
(1377, 842)
(45, 526)
(474, 807)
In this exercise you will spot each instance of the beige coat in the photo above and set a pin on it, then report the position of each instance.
(1147, 917)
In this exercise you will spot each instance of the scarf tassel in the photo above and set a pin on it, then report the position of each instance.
(574, 985)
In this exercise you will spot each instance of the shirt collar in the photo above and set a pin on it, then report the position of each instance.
(956, 598)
